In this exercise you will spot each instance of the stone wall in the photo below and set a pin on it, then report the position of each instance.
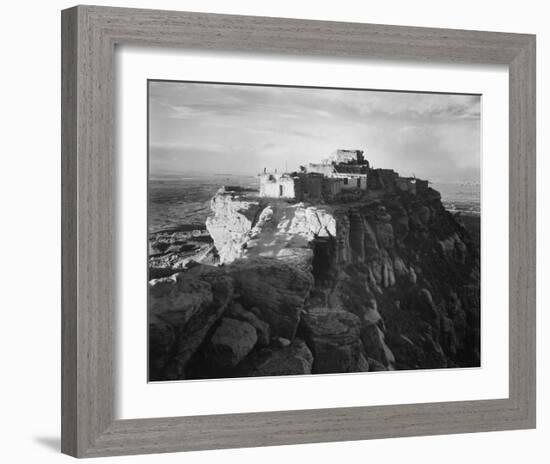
(279, 186)
(421, 185)
(311, 186)
(331, 187)
(382, 179)
(352, 181)
(406, 184)
(321, 168)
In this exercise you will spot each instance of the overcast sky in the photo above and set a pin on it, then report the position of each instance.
(231, 129)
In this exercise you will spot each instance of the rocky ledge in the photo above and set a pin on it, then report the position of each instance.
(371, 284)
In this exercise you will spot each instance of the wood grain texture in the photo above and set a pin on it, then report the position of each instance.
(89, 35)
(69, 365)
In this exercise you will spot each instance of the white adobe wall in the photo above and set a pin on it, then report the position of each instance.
(282, 187)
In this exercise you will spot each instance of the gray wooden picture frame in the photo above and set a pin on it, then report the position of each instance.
(89, 36)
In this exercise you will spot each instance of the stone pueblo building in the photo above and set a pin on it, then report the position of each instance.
(344, 171)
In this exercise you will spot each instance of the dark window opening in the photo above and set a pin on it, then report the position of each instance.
(345, 181)
(280, 190)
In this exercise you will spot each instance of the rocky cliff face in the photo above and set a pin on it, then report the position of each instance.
(244, 227)
(382, 282)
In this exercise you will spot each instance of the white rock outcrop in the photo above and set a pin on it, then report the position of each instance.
(231, 223)
(243, 228)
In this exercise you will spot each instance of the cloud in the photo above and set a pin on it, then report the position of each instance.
(238, 128)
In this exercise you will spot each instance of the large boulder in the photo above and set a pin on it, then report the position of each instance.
(310, 222)
(293, 359)
(230, 226)
(177, 298)
(182, 309)
(275, 291)
(263, 332)
(231, 342)
(334, 339)
(162, 338)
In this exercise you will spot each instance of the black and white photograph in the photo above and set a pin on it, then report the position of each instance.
(297, 231)
(275, 232)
